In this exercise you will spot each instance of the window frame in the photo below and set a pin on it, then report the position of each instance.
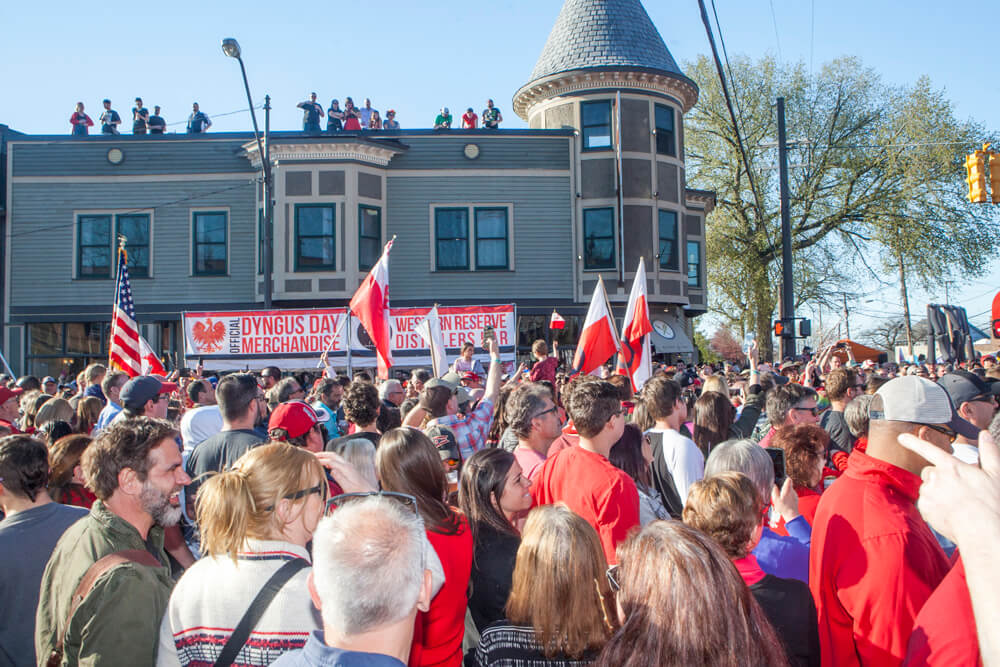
(585, 129)
(108, 245)
(659, 132)
(696, 266)
(296, 256)
(378, 239)
(675, 266)
(195, 213)
(477, 238)
(129, 246)
(613, 237)
(437, 239)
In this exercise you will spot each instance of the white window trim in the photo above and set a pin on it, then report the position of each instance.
(114, 213)
(471, 207)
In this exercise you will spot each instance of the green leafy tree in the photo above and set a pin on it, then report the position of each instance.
(876, 175)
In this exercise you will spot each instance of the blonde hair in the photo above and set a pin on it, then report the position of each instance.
(726, 507)
(715, 383)
(559, 586)
(360, 453)
(240, 503)
(54, 409)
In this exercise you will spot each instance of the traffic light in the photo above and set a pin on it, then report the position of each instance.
(995, 176)
(975, 169)
(805, 328)
(784, 328)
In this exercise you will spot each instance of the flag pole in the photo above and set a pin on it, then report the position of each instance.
(614, 330)
(350, 342)
(118, 285)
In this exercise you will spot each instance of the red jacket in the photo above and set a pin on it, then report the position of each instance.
(593, 488)
(874, 563)
(945, 630)
(808, 502)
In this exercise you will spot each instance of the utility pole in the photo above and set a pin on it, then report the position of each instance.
(847, 315)
(268, 207)
(787, 311)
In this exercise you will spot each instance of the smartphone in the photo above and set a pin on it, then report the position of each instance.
(488, 332)
(778, 461)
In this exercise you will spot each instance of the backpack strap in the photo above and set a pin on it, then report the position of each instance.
(90, 577)
(257, 608)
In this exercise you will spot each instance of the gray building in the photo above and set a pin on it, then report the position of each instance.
(528, 216)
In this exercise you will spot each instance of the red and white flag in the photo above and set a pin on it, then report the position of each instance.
(635, 358)
(150, 362)
(123, 352)
(557, 321)
(598, 340)
(370, 304)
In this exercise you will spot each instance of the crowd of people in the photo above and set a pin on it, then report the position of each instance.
(346, 118)
(805, 513)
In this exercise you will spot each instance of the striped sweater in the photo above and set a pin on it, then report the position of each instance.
(212, 596)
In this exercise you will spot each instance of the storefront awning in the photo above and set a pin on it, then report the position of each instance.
(668, 336)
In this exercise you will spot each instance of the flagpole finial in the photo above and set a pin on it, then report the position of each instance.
(121, 240)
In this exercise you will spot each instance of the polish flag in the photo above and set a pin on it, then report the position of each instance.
(635, 358)
(557, 321)
(598, 340)
(370, 304)
(150, 362)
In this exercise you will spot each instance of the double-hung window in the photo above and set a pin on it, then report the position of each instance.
(97, 244)
(315, 237)
(694, 263)
(666, 141)
(596, 125)
(598, 238)
(209, 243)
(369, 236)
(669, 255)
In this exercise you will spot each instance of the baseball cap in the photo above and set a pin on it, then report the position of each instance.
(6, 394)
(471, 377)
(143, 388)
(47, 379)
(963, 386)
(919, 401)
(445, 442)
(441, 382)
(296, 417)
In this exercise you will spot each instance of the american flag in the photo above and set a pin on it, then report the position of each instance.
(124, 352)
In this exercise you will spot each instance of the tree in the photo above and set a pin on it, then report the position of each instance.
(891, 333)
(706, 354)
(724, 344)
(856, 184)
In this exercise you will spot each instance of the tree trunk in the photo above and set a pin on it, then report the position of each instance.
(763, 301)
(906, 307)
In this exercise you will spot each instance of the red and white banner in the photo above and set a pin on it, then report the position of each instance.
(295, 339)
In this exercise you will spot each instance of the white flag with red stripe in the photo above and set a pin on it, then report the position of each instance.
(635, 358)
(150, 362)
(370, 304)
(598, 340)
(557, 321)
(123, 351)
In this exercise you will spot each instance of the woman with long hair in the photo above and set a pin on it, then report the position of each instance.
(633, 455)
(713, 419)
(88, 411)
(499, 423)
(55, 410)
(560, 610)
(682, 603)
(728, 508)
(66, 481)
(253, 518)
(493, 494)
(408, 462)
(31, 403)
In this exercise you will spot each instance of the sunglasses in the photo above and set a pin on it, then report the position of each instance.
(945, 431)
(320, 489)
(814, 410)
(404, 499)
(612, 575)
(545, 412)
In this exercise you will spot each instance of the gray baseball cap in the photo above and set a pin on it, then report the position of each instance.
(917, 400)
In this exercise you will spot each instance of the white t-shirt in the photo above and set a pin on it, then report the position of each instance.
(198, 425)
(683, 458)
(965, 453)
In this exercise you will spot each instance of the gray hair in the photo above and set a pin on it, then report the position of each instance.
(285, 388)
(856, 415)
(368, 564)
(387, 386)
(744, 456)
(523, 405)
(360, 453)
(783, 398)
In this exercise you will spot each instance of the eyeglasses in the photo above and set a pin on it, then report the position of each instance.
(403, 499)
(545, 412)
(612, 574)
(944, 430)
(814, 410)
(320, 489)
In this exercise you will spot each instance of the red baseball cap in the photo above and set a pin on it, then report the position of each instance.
(6, 394)
(296, 417)
(471, 377)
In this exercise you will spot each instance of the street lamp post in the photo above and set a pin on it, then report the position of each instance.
(232, 49)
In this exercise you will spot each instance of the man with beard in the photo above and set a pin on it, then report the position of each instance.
(134, 468)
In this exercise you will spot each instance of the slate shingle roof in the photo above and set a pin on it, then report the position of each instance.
(603, 33)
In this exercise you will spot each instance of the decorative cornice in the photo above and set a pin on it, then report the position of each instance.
(324, 151)
(704, 197)
(566, 83)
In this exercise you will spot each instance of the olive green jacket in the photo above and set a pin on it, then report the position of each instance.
(118, 623)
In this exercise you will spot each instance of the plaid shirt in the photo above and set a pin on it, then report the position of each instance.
(470, 430)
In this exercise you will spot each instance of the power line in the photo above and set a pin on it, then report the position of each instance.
(812, 32)
(774, 20)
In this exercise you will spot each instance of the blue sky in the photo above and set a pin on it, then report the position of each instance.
(416, 57)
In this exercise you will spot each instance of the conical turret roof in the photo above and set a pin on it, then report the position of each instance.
(603, 33)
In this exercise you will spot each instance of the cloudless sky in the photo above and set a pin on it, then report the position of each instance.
(418, 56)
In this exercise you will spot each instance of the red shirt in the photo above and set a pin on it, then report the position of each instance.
(544, 370)
(945, 630)
(569, 438)
(874, 563)
(593, 488)
(437, 638)
(808, 501)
